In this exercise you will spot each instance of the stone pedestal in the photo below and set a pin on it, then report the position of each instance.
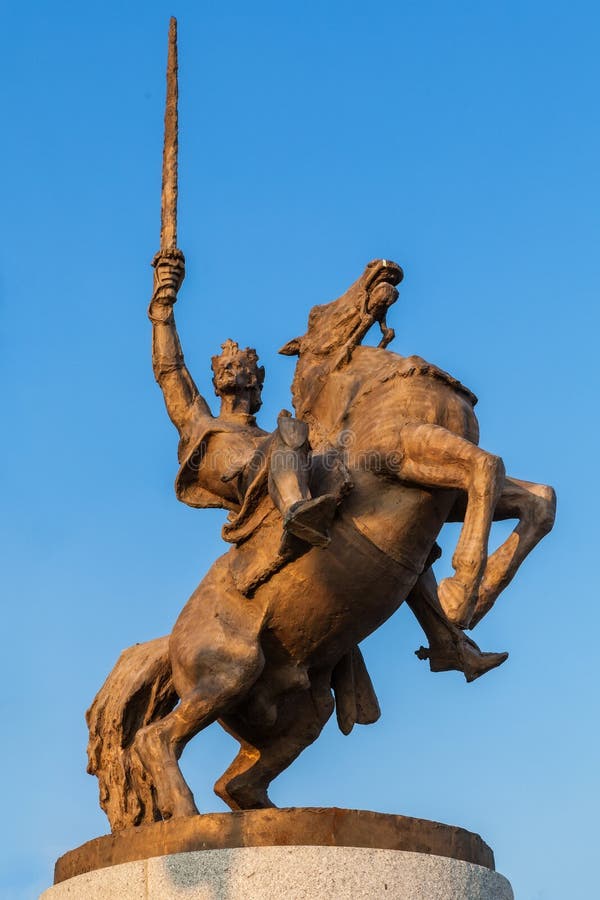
(297, 854)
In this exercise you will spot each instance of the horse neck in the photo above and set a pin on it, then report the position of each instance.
(308, 381)
(314, 373)
(334, 330)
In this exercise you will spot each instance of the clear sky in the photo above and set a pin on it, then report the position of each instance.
(461, 139)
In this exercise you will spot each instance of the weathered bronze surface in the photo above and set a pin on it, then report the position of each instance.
(276, 827)
(333, 521)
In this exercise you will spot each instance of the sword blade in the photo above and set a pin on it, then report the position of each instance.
(168, 218)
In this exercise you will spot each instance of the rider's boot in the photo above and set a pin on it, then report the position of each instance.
(304, 516)
(464, 656)
(310, 519)
(449, 647)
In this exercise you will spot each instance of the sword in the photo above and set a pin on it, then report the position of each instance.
(168, 212)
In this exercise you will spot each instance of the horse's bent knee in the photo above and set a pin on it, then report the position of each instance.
(491, 468)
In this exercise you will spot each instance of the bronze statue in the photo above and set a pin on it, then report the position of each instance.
(333, 520)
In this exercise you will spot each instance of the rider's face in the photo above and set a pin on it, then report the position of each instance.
(240, 380)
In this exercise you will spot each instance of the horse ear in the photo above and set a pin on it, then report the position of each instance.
(292, 348)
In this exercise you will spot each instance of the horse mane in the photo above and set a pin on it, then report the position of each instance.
(336, 325)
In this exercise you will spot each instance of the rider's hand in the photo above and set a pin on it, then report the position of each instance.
(169, 272)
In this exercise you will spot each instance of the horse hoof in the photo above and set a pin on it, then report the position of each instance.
(455, 600)
(239, 798)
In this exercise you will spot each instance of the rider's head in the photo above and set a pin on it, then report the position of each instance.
(236, 373)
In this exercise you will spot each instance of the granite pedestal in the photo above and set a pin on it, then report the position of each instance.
(295, 854)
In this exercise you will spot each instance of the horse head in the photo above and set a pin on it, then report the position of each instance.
(342, 323)
(336, 328)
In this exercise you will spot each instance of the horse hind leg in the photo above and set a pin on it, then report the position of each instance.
(234, 787)
(219, 681)
(432, 456)
(245, 783)
(535, 507)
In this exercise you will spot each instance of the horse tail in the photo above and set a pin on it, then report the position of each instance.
(138, 691)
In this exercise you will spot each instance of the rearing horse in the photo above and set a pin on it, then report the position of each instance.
(411, 422)
(265, 665)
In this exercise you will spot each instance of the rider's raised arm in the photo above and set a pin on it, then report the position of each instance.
(185, 405)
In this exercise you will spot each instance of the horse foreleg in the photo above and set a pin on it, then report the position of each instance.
(245, 783)
(535, 507)
(432, 456)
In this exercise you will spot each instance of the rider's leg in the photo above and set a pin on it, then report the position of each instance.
(304, 517)
(535, 507)
(449, 647)
(431, 456)
(245, 783)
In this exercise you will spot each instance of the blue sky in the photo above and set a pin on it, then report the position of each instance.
(461, 139)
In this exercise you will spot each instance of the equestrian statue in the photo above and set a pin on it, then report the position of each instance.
(332, 523)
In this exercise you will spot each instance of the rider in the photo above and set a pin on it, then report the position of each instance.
(220, 455)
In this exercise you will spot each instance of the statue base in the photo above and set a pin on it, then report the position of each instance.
(274, 853)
